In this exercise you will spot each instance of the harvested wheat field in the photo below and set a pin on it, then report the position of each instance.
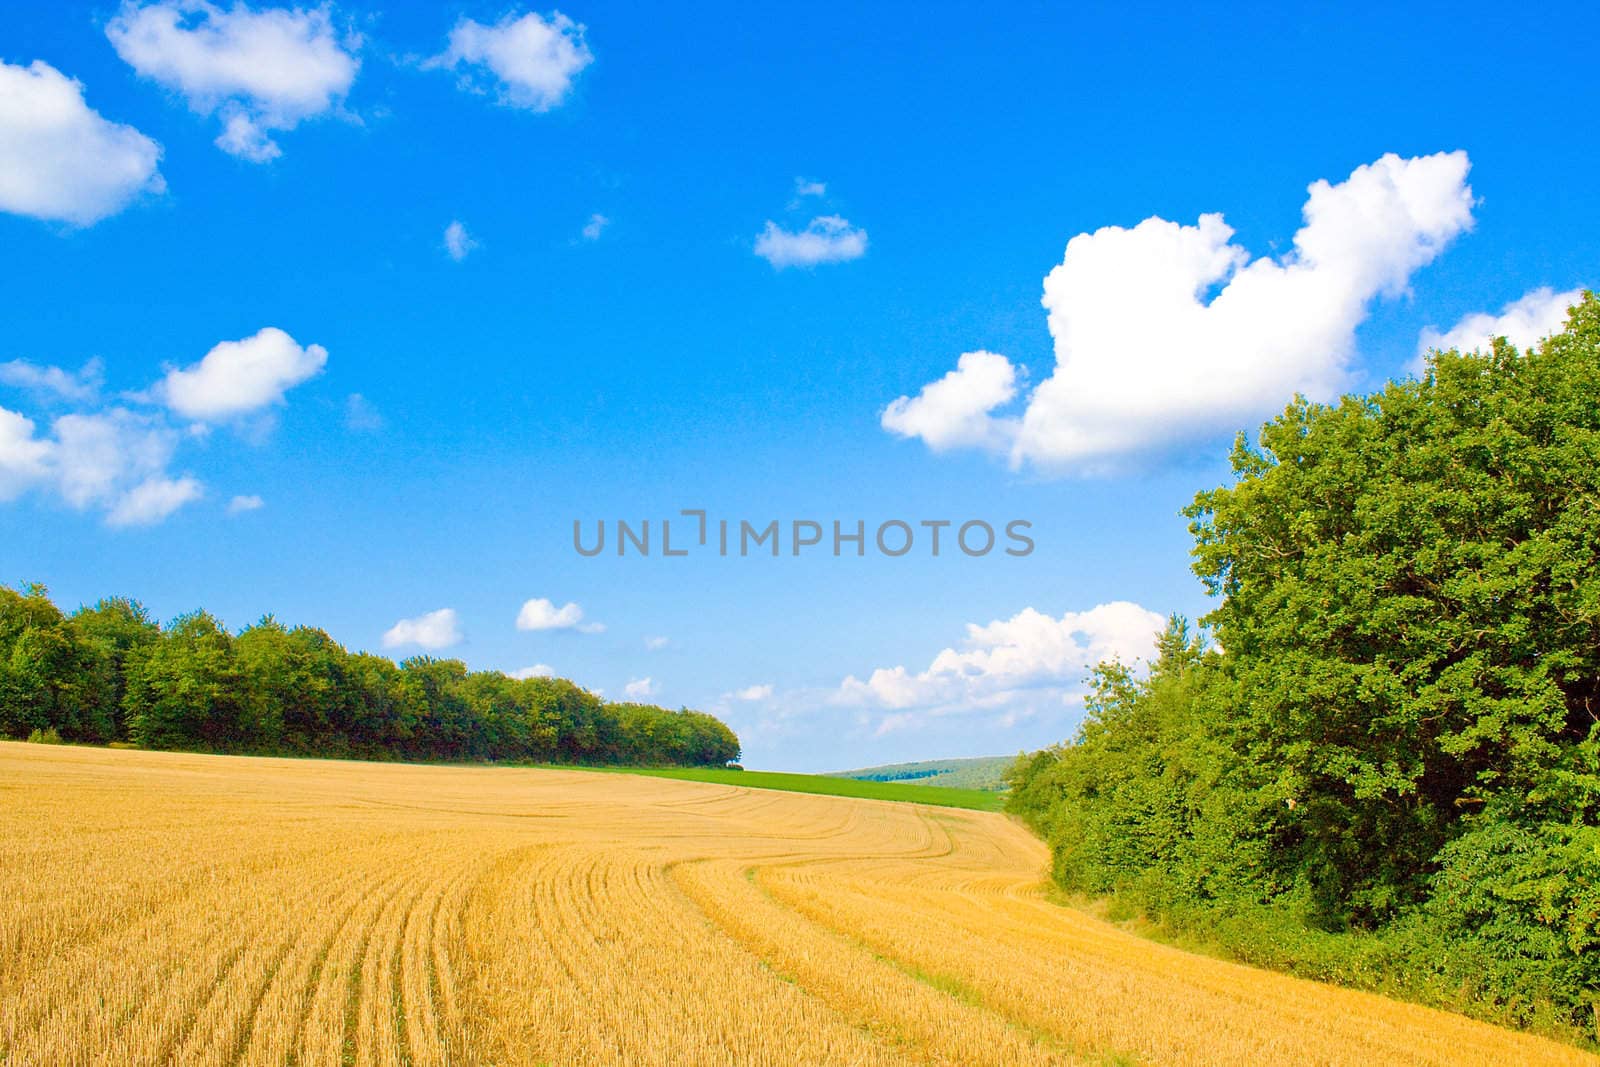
(161, 908)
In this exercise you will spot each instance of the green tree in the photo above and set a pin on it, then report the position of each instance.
(109, 635)
(109, 672)
(187, 691)
(1411, 604)
(47, 680)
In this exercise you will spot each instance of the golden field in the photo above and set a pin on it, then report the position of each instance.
(163, 908)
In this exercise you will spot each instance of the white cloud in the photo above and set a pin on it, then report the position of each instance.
(542, 614)
(237, 377)
(360, 416)
(533, 59)
(954, 411)
(59, 159)
(80, 387)
(805, 187)
(655, 644)
(538, 670)
(153, 500)
(1523, 322)
(98, 459)
(1143, 359)
(260, 71)
(24, 459)
(595, 226)
(1028, 659)
(640, 689)
(752, 692)
(115, 461)
(826, 239)
(457, 241)
(435, 630)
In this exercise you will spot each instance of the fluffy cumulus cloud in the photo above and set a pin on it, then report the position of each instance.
(457, 241)
(529, 61)
(1012, 666)
(97, 456)
(433, 631)
(113, 461)
(640, 689)
(118, 459)
(1165, 332)
(752, 693)
(239, 377)
(59, 159)
(260, 71)
(1523, 322)
(826, 239)
(542, 614)
(954, 412)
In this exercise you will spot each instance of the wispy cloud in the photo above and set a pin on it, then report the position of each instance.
(360, 416)
(457, 241)
(826, 239)
(78, 387)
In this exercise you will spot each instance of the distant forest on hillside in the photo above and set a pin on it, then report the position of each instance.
(110, 674)
(971, 772)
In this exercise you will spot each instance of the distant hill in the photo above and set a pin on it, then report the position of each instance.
(977, 772)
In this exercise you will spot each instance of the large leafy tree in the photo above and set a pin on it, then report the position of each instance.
(1400, 728)
(1411, 607)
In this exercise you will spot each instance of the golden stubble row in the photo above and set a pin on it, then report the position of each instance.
(159, 908)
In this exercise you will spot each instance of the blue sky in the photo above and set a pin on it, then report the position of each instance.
(657, 362)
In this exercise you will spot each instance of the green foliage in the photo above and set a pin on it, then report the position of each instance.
(108, 674)
(971, 799)
(1393, 766)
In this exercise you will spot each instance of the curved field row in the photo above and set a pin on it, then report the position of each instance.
(161, 908)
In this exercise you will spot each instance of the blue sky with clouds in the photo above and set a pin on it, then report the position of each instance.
(347, 313)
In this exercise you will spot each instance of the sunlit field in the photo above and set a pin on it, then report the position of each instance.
(190, 909)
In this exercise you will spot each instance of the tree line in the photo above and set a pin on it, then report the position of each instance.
(111, 674)
(1383, 766)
